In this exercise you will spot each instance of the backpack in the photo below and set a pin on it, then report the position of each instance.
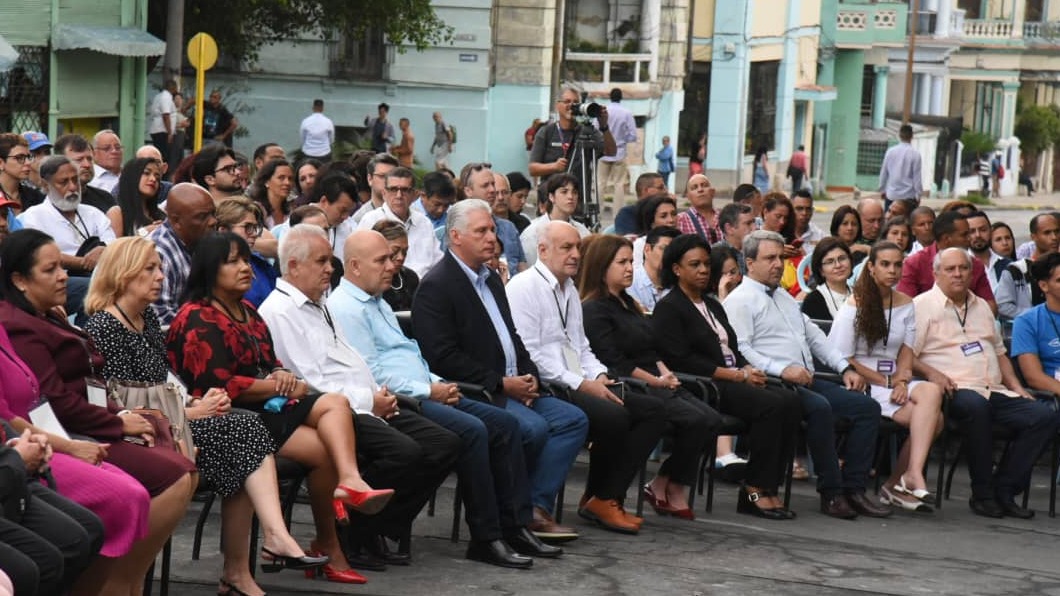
(452, 134)
(1000, 171)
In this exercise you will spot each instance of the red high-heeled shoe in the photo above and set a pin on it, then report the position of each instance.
(368, 502)
(347, 576)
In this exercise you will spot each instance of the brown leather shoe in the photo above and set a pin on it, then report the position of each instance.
(608, 514)
(837, 506)
(546, 528)
(865, 506)
(633, 519)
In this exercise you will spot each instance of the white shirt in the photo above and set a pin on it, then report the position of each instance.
(338, 236)
(104, 179)
(529, 236)
(548, 317)
(69, 235)
(811, 237)
(424, 250)
(318, 133)
(161, 104)
(314, 348)
(623, 129)
(363, 210)
(770, 342)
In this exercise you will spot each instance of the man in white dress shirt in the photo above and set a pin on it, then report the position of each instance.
(109, 156)
(397, 447)
(424, 250)
(317, 133)
(777, 338)
(548, 316)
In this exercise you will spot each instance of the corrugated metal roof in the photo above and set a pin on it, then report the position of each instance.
(116, 41)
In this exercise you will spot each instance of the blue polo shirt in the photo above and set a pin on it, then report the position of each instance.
(1037, 331)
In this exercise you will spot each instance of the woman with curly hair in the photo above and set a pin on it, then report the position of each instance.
(272, 190)
(875, 330)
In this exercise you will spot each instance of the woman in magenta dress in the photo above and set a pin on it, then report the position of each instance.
(63, 359)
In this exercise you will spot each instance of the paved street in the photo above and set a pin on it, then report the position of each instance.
(949, 552)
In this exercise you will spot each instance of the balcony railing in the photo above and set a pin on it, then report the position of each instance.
(866, 24)
(604, 69)
(1049, 30)
(987, 28)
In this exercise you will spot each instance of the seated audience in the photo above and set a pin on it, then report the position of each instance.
(457, 304)
(563, 203)
(15, 171)
(950, 231)
(306, 172)
(1017, 289)
(492, 467)
(1001, 240)
(922, 221)
(694, 336)
(805, 230)
(234, 449)
(108, 153)
(1034, 332)
(1026, 249)
(647, 286)
(218, 340)
(725, 273)
(846, 227)
(438, 194)
(272, 190)
(979, 247)
(216, 169)
(76, 148)
(653, 212)
(520, 186)
(621, 337)
(137, 210)
(190, 215)
(736, 221)
(424, 250)
(68, 369)
(830, 265)
(870, 213)
(244, 218)
(646, 185)
(778, 339)
(404, 282)
(898, 231)
(900, 208)
(748, 194)
(477, 182)
(700, 218)
(375, 173)
(624, 430)
(959, 349)
(875, 329)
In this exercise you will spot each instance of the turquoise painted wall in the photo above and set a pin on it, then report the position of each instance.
(729, 72)
(787, 77)
(845, 123)
(511, 109)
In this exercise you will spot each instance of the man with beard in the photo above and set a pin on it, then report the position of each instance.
(80, 231)
(190, 215)
(77, 149)
(215, 169)
(1017, 290)
(979, 245)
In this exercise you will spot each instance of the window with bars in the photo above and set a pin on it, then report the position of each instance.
(870, 157)
(359, 58)
(761, 105)
(24, 91)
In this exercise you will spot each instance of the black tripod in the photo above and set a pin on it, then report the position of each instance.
(584, 148)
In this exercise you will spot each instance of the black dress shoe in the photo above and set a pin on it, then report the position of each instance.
(837, 506)
(1011, 509)
(747, 502)
(497, 552)
(378, 548)
(986, 508)
(864, 506)
(365, 561)
(526, 543)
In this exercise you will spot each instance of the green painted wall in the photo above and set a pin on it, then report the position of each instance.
(845, 123)
(26, 23)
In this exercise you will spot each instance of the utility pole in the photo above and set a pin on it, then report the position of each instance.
(174, 41)
(558, 50)
(914, 21)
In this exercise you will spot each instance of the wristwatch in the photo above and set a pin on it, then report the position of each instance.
(604, 128)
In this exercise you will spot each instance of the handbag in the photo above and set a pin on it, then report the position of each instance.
(162, 404)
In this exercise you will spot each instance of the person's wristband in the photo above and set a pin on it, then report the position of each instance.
(888, 378)
(746, 375)
(124, 412)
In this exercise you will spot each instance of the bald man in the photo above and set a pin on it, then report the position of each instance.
(700, 218)
(547, 313)
(152, 152)
(190, 215)
(870, 211)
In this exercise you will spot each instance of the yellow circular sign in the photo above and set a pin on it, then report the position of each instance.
(202, 51)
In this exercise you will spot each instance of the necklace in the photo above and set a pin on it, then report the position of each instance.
(831, 296)
(401, 282)
(127, 319)
(232, 315)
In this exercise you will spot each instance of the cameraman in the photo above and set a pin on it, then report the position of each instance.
(554, 142)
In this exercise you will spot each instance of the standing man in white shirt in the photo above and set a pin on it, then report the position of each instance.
(163, 122)
(424, 249)
(318, 133)
(613, 174)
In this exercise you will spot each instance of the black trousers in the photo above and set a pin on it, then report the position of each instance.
(774, 415)
(694, 424)
(622, 437)
(53, 543)
(409, 454)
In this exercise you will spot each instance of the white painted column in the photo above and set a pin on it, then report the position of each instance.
(936, 95)
(923, 102)
(945, 14)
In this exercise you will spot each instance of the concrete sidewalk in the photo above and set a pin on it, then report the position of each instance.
(949, 552)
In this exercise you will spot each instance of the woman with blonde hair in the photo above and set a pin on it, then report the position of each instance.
(234, 447)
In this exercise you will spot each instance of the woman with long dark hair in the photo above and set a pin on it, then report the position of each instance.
(137, 210)
(272, 190)
(875, 330)
(830, 267)
(846, 226)
(693, 335)
(306, 174)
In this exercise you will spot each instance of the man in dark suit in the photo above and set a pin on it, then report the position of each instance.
(465, 328)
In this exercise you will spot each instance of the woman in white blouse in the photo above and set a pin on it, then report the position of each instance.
(876, 328)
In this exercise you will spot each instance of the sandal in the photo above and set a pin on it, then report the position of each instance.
(917, 493)
(889, 498)
(799, 471)
(230, 589)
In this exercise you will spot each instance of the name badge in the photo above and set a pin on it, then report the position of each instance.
(730, 361)
(971, 348)
(572, 360)
(885, 367)
(97, 394)
(44, 418)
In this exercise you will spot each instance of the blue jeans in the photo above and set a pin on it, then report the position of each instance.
(822, 403)
(553, 432)
(491, 468)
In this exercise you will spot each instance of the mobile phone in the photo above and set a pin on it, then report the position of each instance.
(619, 389)
(796, 242)
(135, 441)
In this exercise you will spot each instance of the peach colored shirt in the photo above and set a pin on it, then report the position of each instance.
(942, 342)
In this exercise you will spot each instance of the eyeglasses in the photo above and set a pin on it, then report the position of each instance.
(230, 169)
(405, 190)
(251, 230)
(21, 158)
(843, 260)
(110, 148)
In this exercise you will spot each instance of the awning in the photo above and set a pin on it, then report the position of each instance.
(8, 55)
(116, 41)
(814, 93)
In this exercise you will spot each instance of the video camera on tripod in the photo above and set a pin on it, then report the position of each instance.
(582, 153)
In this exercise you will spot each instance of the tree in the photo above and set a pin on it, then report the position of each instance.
(1038, 128)
(241, 27)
